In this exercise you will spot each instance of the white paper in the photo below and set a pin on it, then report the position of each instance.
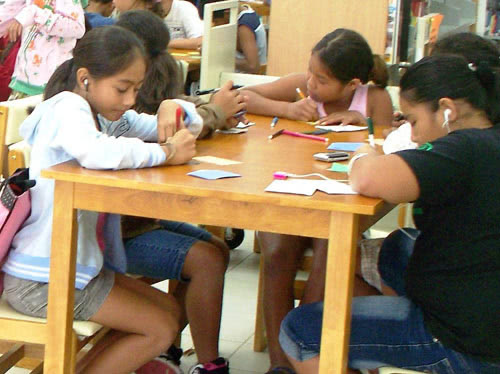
(399, 139)
(232, 130)
(342, 128)
(216, 160)
(333, 187)
(242, 125)
(294, 186)
(309, 186)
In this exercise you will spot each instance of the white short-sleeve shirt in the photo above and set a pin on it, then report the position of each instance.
(183, 21)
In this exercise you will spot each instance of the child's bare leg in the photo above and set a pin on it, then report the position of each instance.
(204, 267)
(282, 255)
(315, 286)
(148, 316)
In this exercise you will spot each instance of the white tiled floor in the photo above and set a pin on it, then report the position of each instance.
(238, 315)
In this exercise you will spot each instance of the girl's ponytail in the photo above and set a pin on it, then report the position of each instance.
(489, 80)
(379, 74)
(63, 79)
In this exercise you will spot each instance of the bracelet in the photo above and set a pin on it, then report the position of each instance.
(171, 150)
(353, 160)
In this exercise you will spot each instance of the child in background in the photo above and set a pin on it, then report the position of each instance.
(49, 30)
(177, 250)
(184, 24)
(98, 85)
(251, 46)
(340, 67)
(154, 6)
(444, 318)
(98, 13)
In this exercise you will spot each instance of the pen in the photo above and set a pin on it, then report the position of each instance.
(301, 94)
(277, 133)
(274, 121)
(371, 139)
(300, 135)
(178, 115)
(240, 113)
(214, 90)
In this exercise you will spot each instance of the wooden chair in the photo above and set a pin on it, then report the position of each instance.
(12, 114)
(219, 44)
(22, 339)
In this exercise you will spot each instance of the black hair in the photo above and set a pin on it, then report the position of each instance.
(104, 51)
(163, 79)
(348, 56)
(101, 1)
(451, 76)
(474, 48)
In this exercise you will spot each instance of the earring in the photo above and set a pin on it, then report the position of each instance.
(445, 125)
(86, 84)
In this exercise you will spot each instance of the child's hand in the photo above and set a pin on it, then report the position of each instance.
(14, 31)
(348, 117)
(230, 101)
(302, 110)
(167, 120)
(397, 119)
(184, 147)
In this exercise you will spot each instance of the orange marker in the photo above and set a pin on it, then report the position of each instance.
(301, 94)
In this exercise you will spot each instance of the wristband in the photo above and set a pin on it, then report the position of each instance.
(353, 160)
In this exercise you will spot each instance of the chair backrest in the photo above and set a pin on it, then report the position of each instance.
(245, 79)
(183, 67)
(218, 50)
(394, 94)
(12, 114)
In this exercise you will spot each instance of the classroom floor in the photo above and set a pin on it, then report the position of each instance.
(238, 315)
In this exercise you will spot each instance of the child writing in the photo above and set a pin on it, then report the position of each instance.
(178, 250)
(340, 67)
(444, 318)
(335, 87)
(184, 24)
(99, 83)
(49, 31)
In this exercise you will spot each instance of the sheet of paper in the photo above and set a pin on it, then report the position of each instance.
(332, 187)
(216, 160)
(242, 125)
(345, 146)
(343, 128)
(339, 168)
(293, 186)
(213, 174)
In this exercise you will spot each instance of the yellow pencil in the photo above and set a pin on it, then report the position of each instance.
(301, 94)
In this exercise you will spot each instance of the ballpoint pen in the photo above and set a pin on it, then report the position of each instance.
(274, 121)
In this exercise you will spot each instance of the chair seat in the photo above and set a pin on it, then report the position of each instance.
(82, 328)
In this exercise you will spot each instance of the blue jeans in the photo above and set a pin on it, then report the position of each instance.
(161, 253)
(385, 330)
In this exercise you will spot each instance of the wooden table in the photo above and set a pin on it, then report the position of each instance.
(168, 193)
(191, 56)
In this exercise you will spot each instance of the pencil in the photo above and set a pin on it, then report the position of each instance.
(301, 94)
(214, 90)
(277, 133)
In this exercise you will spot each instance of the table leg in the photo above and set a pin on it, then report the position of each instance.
(340, 268)
(59, 346)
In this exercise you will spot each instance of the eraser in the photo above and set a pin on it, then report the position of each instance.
(280, 175)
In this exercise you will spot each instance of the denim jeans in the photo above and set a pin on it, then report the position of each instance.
(385, 330)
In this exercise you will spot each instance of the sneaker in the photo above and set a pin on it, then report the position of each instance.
(217, 366)
(160, 365)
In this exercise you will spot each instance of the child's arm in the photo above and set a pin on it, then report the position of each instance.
(66, 20)
(380, 106)
(247, 44)
(278, 99)
(8, 10)
(193, 43)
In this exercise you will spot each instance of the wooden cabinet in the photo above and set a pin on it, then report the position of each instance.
(297, 25)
